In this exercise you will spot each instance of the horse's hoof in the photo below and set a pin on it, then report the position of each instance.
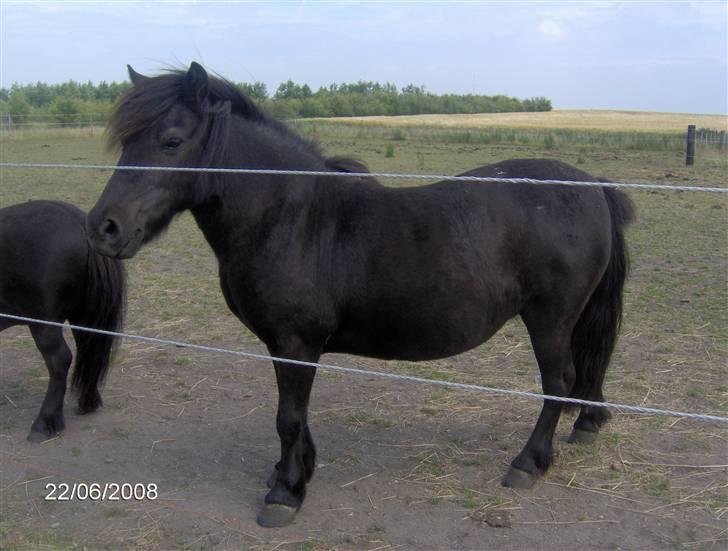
(36, 437)
(519, 479)
(272, 478)
(581, 436)
(274, 515)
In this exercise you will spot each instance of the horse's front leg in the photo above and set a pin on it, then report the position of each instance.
(298, 455)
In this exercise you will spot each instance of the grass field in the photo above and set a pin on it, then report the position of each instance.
(577, 131)
(560, 119)
(433, 458)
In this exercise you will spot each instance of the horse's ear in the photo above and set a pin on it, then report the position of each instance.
(194, 87)
(137, 79)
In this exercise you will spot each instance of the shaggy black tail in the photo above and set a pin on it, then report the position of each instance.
(103, 308)
(595, 334)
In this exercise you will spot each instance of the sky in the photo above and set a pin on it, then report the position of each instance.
(639, 55)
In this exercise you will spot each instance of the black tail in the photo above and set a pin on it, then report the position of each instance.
(595, 334)
(103, 308)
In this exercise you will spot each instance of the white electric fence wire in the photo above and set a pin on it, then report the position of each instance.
(351, 370)
(395, 376)
(329, 173)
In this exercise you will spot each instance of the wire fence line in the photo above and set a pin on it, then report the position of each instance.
(357, 371)
(6, 126)
(393, 175)
(383, 374)
(22, 116)
(75, 124)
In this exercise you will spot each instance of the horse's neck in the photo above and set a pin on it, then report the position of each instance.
(238, 210)
(260, 145)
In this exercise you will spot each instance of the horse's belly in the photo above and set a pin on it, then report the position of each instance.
(416, 336)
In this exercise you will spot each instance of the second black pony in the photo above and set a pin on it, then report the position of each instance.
(316, 264)
(48, 271)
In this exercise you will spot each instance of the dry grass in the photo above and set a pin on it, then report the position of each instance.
(39, 131)
(597, 120)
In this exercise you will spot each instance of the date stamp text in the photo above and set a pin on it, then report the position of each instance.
(107, 491)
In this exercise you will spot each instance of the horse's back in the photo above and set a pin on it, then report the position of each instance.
(548, 227)
(44, 254)
(489, 229)
(540, 169)
(560, 235)
(453, 261)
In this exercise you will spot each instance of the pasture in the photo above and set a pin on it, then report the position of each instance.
(400, 466)
(588, 119)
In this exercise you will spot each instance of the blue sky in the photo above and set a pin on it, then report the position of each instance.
(656, 56)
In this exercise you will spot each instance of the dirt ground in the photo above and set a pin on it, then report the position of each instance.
(398, 466)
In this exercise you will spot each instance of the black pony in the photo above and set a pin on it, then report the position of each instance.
(48, 271)
(343, 264)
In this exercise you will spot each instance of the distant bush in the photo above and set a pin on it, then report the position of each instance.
(18, 107)
(547, 138)
(291, 100)
(66, 109)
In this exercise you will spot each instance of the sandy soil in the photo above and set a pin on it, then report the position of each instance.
(398, 467)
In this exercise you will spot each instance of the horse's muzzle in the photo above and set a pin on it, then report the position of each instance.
(107, 237)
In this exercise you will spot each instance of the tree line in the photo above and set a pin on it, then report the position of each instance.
(71, 101)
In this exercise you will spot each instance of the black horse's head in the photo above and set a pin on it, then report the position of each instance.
(172, 120)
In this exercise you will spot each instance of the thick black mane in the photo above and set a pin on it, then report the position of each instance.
(150, 99)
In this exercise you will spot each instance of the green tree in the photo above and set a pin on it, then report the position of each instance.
(291, 100)
(102, 91)
(18, 107)
(285, 108)
(340, 106)
(256, 90)
(313, 107)
(67, 110)
(412, 89)
(291, 90)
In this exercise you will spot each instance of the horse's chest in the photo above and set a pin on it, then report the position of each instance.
(245, 308)
(269, 301)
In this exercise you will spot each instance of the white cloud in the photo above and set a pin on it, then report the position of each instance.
(550, 30)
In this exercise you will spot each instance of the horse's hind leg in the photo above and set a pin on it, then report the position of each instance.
(551, 339)
(591, 362)
(87, 369)
(57, 356)
(590, 420)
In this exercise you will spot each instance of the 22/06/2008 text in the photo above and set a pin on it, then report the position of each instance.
(112, 491)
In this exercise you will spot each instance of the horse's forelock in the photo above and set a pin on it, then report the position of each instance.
(140, 108)
(144, 104)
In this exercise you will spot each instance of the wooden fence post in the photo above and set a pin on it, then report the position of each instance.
(723, 143)
(690, 154)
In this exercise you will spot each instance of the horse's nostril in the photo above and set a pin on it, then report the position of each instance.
(109, 229)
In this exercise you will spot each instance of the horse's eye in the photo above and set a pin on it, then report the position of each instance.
(173, 143)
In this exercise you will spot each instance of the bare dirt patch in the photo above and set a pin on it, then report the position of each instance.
(398, 466)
